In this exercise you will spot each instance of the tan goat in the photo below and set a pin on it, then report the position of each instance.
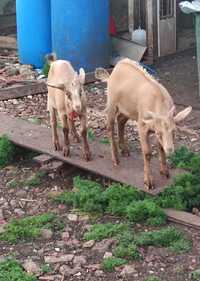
(134, 94)
(66, 96)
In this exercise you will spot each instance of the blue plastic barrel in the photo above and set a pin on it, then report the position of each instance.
(33, 30)
(80, 32)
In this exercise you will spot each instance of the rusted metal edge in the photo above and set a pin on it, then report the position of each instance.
(183, 218)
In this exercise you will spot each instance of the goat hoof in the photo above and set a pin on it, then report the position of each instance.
(165, 173)
(116, 163)
(57, 146)
(87, 156)
(125, 152)
(149, 184)
(66, 151)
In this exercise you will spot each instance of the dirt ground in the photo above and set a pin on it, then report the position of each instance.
(179, 75)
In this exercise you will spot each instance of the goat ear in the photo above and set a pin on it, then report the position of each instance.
(183, 114)
(82, 75)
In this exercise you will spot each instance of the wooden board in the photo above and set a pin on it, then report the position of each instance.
(38, 138)
(184, 218)
(20, 91)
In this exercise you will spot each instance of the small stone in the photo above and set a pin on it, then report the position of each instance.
(57, 249)
(80, 260)
(47, 234)
(65, 236)
(19, 212)
(54, 259)
(31, 267)
(128, 270)
(99, 273)
(103, 245)
(89, 244)
(107, 255)
(72, 217)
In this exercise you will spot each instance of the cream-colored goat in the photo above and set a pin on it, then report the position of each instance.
(134, 94)
(66, 96)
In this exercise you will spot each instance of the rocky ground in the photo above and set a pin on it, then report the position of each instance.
(65, 253)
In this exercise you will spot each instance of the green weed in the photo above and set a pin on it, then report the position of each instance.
(46, 268)
(102, 231)
(196, 275)
(104, 141)
(152, 278)
(7, 151)
(29, 228)
(11, 270)
(90, 134)
(181, 157)
(129, 251)
(166, 237)
(110, 264)
(34, 180)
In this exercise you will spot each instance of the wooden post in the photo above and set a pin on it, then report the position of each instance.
(149, 30)
(197, 23)
(131, 16)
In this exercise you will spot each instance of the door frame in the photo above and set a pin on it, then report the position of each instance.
(158, 26)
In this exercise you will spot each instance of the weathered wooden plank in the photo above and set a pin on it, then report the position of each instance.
(197, 22)
(22, 91)
(184, 218)
(38, 138)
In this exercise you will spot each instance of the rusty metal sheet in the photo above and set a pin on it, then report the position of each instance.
(38, 138)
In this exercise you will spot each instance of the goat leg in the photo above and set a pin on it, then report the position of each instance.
(86, 149)
(66, 147)
(121, 122)
(55, 138)
(146, 151)
(73, 131)
(111, 132)
(163, 163)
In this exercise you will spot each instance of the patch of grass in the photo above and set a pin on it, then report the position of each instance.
(166, 237)
(196, 275)
(153, 278)
(105, 141)
(181, 157)
(129, 251)
(29, 228)
(35, 179)
(90, 134)
(13, 183)
(146, 211)
(110, 264)
(11, 270)
(118, 197)
(46, 268)
(7, 151)
(102, 231)
(35, 121)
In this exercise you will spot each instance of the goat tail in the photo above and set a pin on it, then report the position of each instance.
(102, 74)
(51, 58)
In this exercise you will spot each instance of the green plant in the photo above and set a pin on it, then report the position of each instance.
(46, 69)
(111, 263)
(118, 197)
(196, 275)
(167, 237)
(13, 183)
(99, 232)
(181, 157)
(11, 270)
(90, 134)
(105, 141)
(46, 268)
(7, 151)
(128, 251)
(29, 228)
(152, 278)
(35, 179)
(145, 210)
